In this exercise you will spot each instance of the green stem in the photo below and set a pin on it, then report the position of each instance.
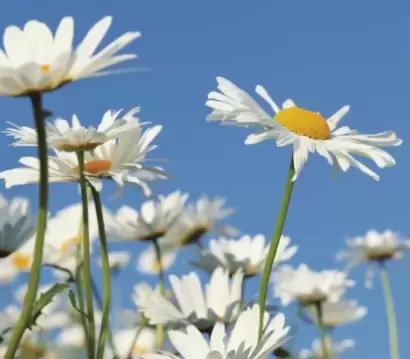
(83, 320)
(159, 339)
(86, 257)
(319, 313)
(106, 276)
(31, 294)
(273, 248)
(134, 341)
(390, 312)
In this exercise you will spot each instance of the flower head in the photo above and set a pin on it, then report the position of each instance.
(305, 130)
(309, 287)
(120, 160)
(334, 349)
(148, 262)
(246, 253)
(241, 343)
(36, 60)
(62, 136)
(220, 302)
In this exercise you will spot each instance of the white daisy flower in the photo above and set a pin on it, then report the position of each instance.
(35, 60)
(337, 313)
(148, 262)
(309, 287)
(119, 160)
(199, 219)
(154, 219)
(72, 138)
(241, 343)
(305, 130)
(16, 228)
(117, 260)
(220, 302)
(334, 349)
(246, 253)
(374, 247)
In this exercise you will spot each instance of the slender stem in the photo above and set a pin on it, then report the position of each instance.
(390, 312)
(83, 320)
(31, 294)
(273, 248)
(86, 257)
(319, 313)
(106, 277)
(159, 339)
(134, 341)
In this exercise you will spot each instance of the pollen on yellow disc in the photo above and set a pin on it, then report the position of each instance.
(45, 68)
(97, 166)
(21, 261)
(304, 123)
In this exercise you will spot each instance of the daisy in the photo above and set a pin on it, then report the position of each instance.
(305, 130)
(309, 287)
(148, 262)
(35, 60)
(117, 260)
(119, 160)
(154, 219)
(337, 313)
(220, 302)
(199, 219)
(241, 343)
(72, 138)
(246, 253)
(334, 349)
(16, 228)
(374, 247)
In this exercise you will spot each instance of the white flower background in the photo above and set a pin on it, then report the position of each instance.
(323, 56)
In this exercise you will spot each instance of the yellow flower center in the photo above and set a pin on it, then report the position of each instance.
(155, 267)
(381, 255)
(68, 243)
(45, 69)
(21, 261)
(136, 349)
(304, 123)
(96, 167)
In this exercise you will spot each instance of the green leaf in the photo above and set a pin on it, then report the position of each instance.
(73, 301)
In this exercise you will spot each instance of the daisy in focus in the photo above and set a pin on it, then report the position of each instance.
(241, 343)
(334, 349)
(305, 130)
(246, 253)
(120, 160)
(36, 60)
(62, 136)
(220, 302)
(309, 287)
(335, 314)
(374, 247)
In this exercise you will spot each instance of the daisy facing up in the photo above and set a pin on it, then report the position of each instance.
(120, 160)
(62, 136)
(305, 130)
(36, 60)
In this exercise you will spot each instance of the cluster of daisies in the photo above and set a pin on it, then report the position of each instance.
(206, 313)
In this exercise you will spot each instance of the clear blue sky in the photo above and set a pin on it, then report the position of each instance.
(323, 54)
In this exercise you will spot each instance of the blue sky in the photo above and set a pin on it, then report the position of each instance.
(323, 54)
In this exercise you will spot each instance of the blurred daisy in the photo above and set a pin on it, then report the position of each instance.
(117, 260)
(334, 349)
(199, 219)
(16, 228)
(119, 160)
(71, 138)
(246, 253)
(337, 313)
(374, 247)
(35, 60)
(305, 130)
(154, 219)
(220, 302)
(148, 262)
(309, 287)
(241, 343)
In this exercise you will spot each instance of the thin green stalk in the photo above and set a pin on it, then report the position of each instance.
(31, 294)
(86, 257)
(159, 338)
(273, 248)
(319, 313)
(104, 331)
(390, 312)
(134, 341)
